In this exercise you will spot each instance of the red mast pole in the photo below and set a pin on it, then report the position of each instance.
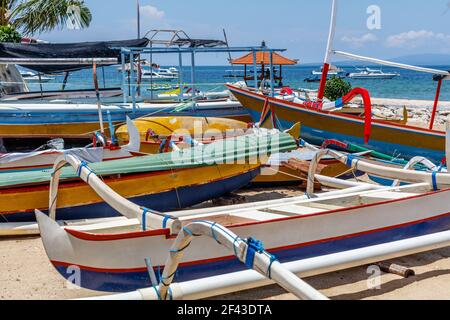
(436, 102)
(328, 53)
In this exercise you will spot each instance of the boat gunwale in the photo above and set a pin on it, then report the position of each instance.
(342, 116)
(231, 257)
(142, 234)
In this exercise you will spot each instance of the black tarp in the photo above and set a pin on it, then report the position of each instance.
(102, 49)
(198, 43)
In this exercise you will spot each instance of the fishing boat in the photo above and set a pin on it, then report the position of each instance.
(320, 124)
(150, 75)
(32, 77)
(44, 157)
(368, 73)
(59, 95)
(291, 169)
(321, 121)
(167, 181)
(197, 95)
(333, 71)
(73, 119)
(163, 133)
(293, 229)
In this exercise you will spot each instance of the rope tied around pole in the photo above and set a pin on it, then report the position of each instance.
(82, 165)
(254, 246)
(144, 219)
(434, 180)
(251, 252)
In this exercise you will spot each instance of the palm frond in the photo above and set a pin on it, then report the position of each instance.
(38, 16)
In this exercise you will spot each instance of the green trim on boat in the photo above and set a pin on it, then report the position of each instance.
(240, 150)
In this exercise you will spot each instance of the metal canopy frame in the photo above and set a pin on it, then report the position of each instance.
(59, 61)
(173, 34)
(173, 38)
(192, 51)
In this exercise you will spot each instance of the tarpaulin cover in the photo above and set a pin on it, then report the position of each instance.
(102, 49)
(197, 43)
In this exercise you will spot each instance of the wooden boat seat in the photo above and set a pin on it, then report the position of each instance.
(294, 210)
(223, 219)
(327, 207)
(384, 196)
(259, 215)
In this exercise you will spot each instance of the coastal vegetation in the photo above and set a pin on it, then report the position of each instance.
(31, 17)
(337, 88)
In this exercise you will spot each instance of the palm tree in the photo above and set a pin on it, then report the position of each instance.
(36, 16)
(5, 11)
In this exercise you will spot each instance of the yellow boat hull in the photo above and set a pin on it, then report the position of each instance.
(75, 194)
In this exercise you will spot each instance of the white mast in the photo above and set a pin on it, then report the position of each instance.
(329, 52)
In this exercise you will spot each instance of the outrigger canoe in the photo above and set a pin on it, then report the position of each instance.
(166, 181)
(44, 159)
(319, 125)
(155, 131)
(116, 259)
(72, 120)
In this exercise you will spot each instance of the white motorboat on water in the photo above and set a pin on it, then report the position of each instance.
(33, 77)
(154, 72)
(149, 75)
(333, 71)
(368, 73)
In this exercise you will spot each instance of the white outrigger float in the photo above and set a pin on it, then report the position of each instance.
(130, 253)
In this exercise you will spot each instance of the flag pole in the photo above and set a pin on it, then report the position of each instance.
(138, 19)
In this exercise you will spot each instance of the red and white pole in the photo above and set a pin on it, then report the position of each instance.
(436, 102)
(329, 52)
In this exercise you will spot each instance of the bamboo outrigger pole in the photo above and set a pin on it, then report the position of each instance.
(436, 103)
(97, 94)
(329, 52)
(248, 251)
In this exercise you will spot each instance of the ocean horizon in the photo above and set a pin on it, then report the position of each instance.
(410, 84)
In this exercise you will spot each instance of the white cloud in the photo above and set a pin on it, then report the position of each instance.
(151, 12)
(414, 39)
(360, 41)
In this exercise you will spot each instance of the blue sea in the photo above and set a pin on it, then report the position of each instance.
(410, 85)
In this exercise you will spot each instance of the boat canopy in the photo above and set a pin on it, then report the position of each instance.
(263, 58)
(198, 43)
(102, 49)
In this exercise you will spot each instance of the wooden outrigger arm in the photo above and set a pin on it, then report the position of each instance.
(248, 251)
(433, 179)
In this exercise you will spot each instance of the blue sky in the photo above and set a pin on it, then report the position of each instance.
(301, 26)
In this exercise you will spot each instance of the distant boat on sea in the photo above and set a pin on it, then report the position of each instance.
(33, 77)
(367, 73)
(333, 71)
